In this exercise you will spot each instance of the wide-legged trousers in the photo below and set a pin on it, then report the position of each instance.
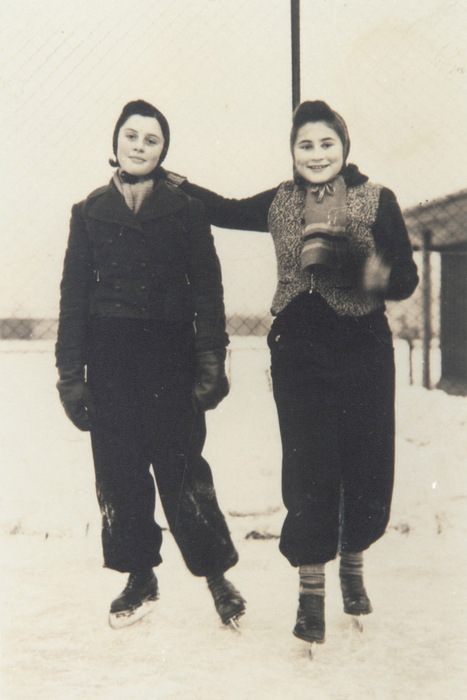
(333, 382)
(141, 377)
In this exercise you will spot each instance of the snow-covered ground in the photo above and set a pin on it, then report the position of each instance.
(56, 643)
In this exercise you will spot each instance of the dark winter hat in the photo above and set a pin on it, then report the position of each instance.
(145, 109)
(319, 111)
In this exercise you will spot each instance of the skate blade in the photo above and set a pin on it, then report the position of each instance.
(311, 649)
(233, 624)
(357, 623)
(124, 619)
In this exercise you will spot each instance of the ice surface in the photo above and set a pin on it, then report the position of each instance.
(56, 643)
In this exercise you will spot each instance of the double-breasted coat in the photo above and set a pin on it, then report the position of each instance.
(140, 296)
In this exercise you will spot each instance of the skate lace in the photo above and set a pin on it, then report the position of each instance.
(352, 586)
(136, 581)
(225, 592)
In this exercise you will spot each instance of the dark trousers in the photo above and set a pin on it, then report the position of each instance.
(141, 377)
(333, 380)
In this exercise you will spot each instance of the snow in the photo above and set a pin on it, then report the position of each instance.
(56, 642)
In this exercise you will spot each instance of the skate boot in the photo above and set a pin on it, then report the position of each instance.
(356, 601)
(310, 625)
(135, 601)
(230, 605)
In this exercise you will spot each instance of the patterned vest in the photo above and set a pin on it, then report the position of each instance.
(339, 287)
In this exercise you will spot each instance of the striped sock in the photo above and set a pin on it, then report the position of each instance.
(351, 563)
(311, 579)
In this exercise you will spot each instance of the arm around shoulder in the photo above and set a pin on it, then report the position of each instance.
(247, 214)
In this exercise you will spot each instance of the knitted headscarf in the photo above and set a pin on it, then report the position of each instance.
(136, 190)
(319, 111)
(324, 215)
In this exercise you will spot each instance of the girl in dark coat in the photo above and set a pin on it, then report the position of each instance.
(342, 248)
(140, 353)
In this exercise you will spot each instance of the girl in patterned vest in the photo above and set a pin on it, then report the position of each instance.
(342, 249)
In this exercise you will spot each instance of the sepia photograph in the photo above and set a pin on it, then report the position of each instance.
(233, 350)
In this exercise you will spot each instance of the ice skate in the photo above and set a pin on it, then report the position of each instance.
(355, 597)
(357, 623)
(230, 605)
(135, 601)
(310, 625)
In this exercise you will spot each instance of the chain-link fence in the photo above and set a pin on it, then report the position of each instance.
(221, 72)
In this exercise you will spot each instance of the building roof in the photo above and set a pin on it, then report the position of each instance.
(446, 219)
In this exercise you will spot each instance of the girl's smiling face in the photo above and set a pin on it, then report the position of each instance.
(318, 153)
(139, 145)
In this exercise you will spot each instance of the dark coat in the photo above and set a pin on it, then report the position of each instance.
(160, 264)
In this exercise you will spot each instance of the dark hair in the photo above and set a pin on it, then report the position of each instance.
(319, 111)
(145, 109)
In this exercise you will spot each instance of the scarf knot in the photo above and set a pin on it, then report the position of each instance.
(321, 190)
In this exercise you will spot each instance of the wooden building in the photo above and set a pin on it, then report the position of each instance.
(441, 225)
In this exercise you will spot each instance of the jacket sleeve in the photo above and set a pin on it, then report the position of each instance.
(206, 281)
(393, 243)
(72, 338)
(249, 214)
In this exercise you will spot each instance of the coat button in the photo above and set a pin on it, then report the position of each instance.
(114, 264)
(110, 240)
(118, 306)
(143, 309)
(143, 265)
(143, 287)
(118, 288)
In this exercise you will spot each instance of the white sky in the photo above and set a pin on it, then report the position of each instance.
(220, 71)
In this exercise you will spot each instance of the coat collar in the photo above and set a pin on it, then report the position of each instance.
(107, 204)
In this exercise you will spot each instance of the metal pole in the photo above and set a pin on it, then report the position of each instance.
(426, 295)
(295, 24)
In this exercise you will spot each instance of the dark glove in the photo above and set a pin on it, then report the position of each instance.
(75, 396)
(211, 383)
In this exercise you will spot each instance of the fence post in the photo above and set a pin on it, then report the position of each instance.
(295, 24)
(426, 308)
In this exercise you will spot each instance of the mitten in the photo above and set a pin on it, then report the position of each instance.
(211, 383)
(75, 396)
(376, 273)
